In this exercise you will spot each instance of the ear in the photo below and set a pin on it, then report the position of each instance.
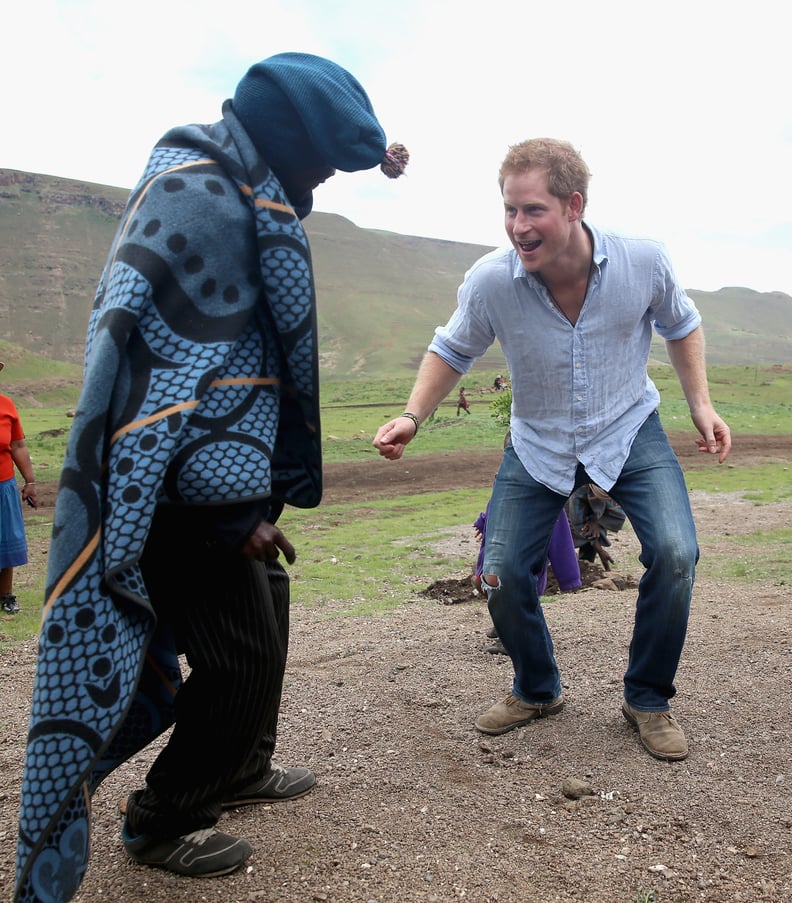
(575, 206)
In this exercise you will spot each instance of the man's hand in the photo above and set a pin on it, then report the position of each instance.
(266, 544)
(716, 436)
(393, 437)
(434, 381)
(687, 358)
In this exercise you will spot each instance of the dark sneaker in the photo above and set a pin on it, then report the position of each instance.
(497, 648)
(201, 854)
(9, 603)
(659, 732)
(513, 712)
(492, 633)
(277, 784)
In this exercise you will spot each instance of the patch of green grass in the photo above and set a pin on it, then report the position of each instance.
(46, 435)
(369, 556)
(734, 383)
(375, 392)
(762, 483)
(762, 555)
(744, 418)
(49, 376)
(444, 433)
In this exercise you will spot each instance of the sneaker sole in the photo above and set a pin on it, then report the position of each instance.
(663, 757)
(216, 874)
(542, 713)
(264, 800)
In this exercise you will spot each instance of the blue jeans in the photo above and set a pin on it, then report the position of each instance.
(651, 489)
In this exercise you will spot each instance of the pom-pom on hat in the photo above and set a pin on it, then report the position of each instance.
(305, 112)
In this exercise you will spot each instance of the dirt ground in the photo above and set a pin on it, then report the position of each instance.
(413, 805)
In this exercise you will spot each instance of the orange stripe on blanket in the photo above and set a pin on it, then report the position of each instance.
(191, 405)
(70, 573)
(160, 415)
(262, 202)
(273, 205)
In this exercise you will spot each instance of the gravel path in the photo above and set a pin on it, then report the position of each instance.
(413, 804)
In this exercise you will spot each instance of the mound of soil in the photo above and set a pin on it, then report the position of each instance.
(455, 590)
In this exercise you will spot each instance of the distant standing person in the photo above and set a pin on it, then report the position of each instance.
(462, 403)
(573, 308)
(13, 541)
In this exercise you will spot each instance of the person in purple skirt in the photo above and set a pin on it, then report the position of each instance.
(561, 556)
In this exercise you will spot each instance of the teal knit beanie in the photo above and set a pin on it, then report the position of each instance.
(304, 112)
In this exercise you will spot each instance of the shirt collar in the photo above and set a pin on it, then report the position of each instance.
(599, 255)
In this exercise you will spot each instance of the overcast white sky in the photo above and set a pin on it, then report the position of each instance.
(681, 109)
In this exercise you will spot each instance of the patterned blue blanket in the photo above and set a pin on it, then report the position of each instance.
(200, 387)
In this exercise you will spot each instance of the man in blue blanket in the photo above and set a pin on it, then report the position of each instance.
(198, 422)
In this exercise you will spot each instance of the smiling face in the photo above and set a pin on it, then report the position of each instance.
(539, 225)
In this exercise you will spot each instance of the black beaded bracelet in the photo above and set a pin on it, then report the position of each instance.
(414, 419)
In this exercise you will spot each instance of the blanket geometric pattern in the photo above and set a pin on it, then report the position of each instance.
(200, 362)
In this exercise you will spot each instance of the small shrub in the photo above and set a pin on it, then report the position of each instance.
(501, 408)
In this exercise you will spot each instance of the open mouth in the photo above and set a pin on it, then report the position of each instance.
(527, 247)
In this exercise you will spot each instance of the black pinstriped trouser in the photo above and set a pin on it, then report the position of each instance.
(230, 617)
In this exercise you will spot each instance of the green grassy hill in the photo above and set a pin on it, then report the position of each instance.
(380, 294)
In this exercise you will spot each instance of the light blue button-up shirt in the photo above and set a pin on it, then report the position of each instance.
(579, 393)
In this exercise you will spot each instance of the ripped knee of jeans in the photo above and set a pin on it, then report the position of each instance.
(490, 582)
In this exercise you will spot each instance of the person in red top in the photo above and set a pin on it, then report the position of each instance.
(13, 543)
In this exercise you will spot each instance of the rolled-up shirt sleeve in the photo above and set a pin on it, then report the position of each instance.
(459, 362)
(468, 333)
(675, 314)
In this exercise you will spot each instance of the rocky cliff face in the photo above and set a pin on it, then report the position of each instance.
(55, 192)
